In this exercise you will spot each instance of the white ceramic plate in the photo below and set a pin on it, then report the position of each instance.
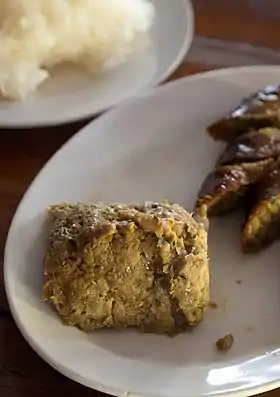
(71, 94)
(154, 147)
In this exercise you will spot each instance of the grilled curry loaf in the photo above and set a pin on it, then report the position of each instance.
(122, 266)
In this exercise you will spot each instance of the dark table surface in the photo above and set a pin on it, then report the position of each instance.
(23, 153)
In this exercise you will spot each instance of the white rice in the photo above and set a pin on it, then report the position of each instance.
(38, 34)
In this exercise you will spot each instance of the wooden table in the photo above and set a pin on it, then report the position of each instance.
(22, 154)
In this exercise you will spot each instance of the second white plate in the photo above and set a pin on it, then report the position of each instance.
(71, 94)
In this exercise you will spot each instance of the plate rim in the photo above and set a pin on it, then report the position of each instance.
(186, 45)
(271, 385)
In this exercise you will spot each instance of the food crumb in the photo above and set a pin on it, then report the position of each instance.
(213, 305)
(225, 343)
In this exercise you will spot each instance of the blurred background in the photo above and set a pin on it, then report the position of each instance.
(239, 32)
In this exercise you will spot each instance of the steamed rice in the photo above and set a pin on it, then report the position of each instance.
(38, 34)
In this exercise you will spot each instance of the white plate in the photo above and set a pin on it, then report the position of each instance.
(70, 94)
(151, 148)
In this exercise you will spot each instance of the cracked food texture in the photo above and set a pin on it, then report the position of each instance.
(121, 266)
